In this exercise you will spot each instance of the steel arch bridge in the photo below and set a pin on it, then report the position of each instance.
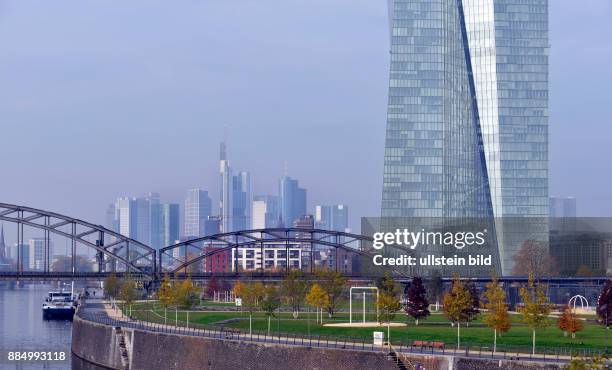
(141, 261)
(308, 240)
(109, 245)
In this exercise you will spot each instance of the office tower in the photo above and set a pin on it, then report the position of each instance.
(143, 220)
(212, 225)
(292, 200)
(134, 217)
(24, 251)
(562, 207)
(242, 199)
(265, 211)
(126, 216)
(467, 119)
(155, 221)
(112, 219)
(332, 217)
(169, 223)
(37, 256)
(226, 190)
(236, 196)
(197, 209)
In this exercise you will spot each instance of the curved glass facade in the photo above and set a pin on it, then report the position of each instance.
(467, 120)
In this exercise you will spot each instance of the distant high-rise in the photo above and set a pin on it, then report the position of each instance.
(236, 195)
(562, 207)
(170, 223)
(198, 207)
(332, 217)
(242, 199)
(21, 251)
(143, 220)
(112, 219)
(136, 218)
(37, 256)
(303, 222)
(155, 221)
(292, 200)
(212, 225)
(265, 211)
(467, 119)
(226, 190)
(126, 216)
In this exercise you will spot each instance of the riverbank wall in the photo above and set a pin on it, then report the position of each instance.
(97, 345)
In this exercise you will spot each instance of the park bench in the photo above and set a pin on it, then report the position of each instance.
(428, 344)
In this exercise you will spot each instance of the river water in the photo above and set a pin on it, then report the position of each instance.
(22, 328)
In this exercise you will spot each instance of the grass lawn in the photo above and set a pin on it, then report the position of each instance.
(435, 327)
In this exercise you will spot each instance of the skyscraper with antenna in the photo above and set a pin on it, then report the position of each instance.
(236, 195)
(225, 190)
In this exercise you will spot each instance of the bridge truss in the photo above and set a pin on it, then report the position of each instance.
(111, 247)
(183, 256)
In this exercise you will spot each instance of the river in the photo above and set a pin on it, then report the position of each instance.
(22, 328)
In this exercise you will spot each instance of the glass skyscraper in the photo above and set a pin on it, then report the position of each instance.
(292, 200)
(467, 122)
(198, 207)
(236, 196)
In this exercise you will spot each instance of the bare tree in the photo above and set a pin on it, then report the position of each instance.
(533, 258)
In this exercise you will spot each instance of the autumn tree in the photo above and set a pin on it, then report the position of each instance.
(251, 299)
(127, 294)
(166, 296)
(270, 302)
(604, 304)
(388, 304)
(112, 285)
(333, 284)
(186, 294)
(417, 304)
(569, 322)
(496, 315)
(536, 307)
(533, 258)
(238, 289)
(294, 289)
(317, 297)
(386, 284)
(457, 304)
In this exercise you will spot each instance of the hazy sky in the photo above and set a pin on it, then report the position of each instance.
(106, 98)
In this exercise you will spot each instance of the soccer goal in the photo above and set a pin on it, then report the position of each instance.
(364, 289)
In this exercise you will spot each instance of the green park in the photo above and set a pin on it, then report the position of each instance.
(457, 316)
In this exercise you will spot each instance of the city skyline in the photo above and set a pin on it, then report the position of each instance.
(151, 221)
(197, 131)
